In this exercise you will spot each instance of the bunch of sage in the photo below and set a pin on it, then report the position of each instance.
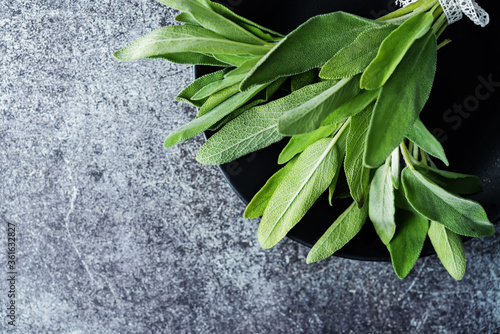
(352, 90)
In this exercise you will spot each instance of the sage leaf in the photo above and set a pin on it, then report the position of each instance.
(341, 148)
(190, 58)
(393, 49)
(301, 80)
(449, 249)
(425, 140)
(382, 207)
(217, 98)
(462, 216)
(395, 167)
(185, 17)
(298, 143)
(186, 95)
(345, 227)
(357, 174)
(401, 101)
(453, 182)
(203, 12)
(185, 38)
(259, 202)
(253, 130)
(352, 107)
(215, 87)
(308, 46)
(204, 122)
(299, 190)
(234, 60)
(408, 241)
(355, 57)
(308, 116)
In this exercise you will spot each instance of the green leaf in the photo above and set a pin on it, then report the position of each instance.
(449, 249)
(299, 190)
(187, 94)
(345, 227)
(401, 100)
(203, 12)
(185, 38)
(408, 241)
(253, 130)
(357, 174)
(453, 182)
(303, 79)
(190, 58)
(352, 107)
(234, 60)
(263, 33)
(382, 207)
(425, 140)
(395, 167)
(186, 17)
(461, 216)
(298, 143)
(341, 148)
(355, 57)
(393, 49)
(217, 98)
(260, 98)
(308, 116)
(202, 123)
(308, 46)
(259, 202)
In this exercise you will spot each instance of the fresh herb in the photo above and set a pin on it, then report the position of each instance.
(352, 91)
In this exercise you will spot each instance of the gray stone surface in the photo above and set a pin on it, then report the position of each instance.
(118, 235)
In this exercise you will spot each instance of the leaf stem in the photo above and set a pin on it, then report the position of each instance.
(406, 156)
(341, 130)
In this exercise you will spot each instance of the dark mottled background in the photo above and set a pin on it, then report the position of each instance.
(118, 235)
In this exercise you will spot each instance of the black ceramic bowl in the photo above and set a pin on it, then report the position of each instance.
(462, 112)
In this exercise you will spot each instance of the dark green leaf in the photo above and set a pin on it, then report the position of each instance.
(462, 216)
(425, 140)
(408, 241)
(393, 49)
(357, 174)
(401, 100)
(308, 46)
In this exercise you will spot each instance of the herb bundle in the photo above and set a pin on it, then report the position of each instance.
(351, 93)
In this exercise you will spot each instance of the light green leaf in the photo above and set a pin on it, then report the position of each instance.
(191, 58)
(204, 122)
(453, 182)
(425, 140)
(308, 116)
(203, 12)
(395, 167)
(234, 60)
(393, 49)
(299, 190)
(253, 130)
(355, 57)
(298, 143)
(449, 249)
(408, 241)
(341, 148)
(345, 227)
(401, 100)
(186, 17)
(187, 93)
(357, 174)
(308, 46)
(259, 202)
(462, 216)
(217, 98)
(382, 207)
(185, 38)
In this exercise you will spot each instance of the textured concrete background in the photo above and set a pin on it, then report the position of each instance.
(118, 235)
